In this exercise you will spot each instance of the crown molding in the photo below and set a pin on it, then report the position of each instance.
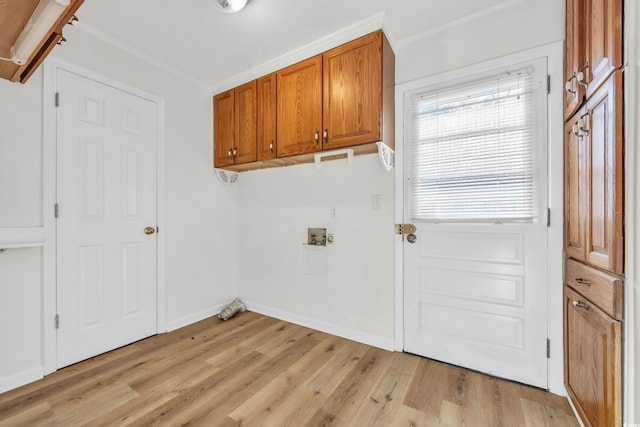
(140, 55)
(347, 34)
(456, 23)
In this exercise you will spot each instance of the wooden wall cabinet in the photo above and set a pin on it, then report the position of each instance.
(14, 15)
(223, 126)
(299, 117)
(235, 124)
(341, 98)
(356, 81)
(267, 136)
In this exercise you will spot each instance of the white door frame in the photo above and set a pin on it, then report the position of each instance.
(51, 66)
(555, 57)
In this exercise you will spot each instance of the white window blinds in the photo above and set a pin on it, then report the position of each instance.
(473, 150)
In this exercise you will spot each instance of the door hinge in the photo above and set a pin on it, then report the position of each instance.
(548, 84)
(57, 99)
(57, 321)
(548, 217)
(405, 229)
(56, 210)
(548, 348)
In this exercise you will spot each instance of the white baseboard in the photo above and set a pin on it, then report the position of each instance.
(21, 378)
(194, 317)
(329, 328)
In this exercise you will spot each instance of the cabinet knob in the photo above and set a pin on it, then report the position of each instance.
(581, 76)
(316, 136)
(581, 305)
(271, 146)
(235, 151)
(229, 153)
(325, 136)
(583, 281)
(569, 87)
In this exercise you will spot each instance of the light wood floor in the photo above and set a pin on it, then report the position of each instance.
(254, 370)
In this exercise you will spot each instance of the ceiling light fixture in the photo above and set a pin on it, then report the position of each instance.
(230, 6)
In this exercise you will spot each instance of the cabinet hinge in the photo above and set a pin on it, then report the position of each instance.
(548, 348)
(56, 210)
(548, 84)
(57, 321)
(57, 99)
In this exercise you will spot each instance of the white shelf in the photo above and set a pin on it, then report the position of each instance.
(25, 237)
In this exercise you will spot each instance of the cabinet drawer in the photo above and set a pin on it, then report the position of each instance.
(602, 289)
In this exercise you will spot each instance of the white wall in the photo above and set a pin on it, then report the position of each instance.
(275, 209)
(516, 25)
(200, 234)
(246, 239)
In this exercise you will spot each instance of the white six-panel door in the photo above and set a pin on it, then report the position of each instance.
(106, 193)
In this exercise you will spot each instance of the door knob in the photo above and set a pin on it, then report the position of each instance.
(149, 230)
(411, 238)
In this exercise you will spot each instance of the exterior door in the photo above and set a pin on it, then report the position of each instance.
(106, 195)
(475, 270)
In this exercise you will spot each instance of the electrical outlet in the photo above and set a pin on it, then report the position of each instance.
(376, 202)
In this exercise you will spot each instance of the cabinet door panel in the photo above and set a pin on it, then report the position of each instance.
(593, 361)
(604, 41)
(245, 123)
(267, 117)
(299, 112)
(574, 56)
(575, 204)
(223, 128)
(352, 84)
(605, 181)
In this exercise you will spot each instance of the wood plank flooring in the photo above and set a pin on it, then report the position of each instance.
(257, 371)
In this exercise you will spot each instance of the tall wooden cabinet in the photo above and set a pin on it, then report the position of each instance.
(594, 208)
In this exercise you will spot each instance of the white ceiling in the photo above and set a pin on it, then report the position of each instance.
(194, 38)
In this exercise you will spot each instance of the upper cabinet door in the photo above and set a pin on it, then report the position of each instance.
(299, 115)
(605, 238)
(603, 42)
(244, 149)
(223, 129)
(574, 56)
(575, 182)
(267, 117)
(352, 84)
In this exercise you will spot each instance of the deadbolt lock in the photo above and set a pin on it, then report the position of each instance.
(405, 229)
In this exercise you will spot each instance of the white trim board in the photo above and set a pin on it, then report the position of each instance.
(21, 237)
(21, 378)
(554, 54)
(322, 326)
(51, 65)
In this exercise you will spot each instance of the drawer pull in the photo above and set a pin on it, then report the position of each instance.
(580, 304)
(583, 281)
